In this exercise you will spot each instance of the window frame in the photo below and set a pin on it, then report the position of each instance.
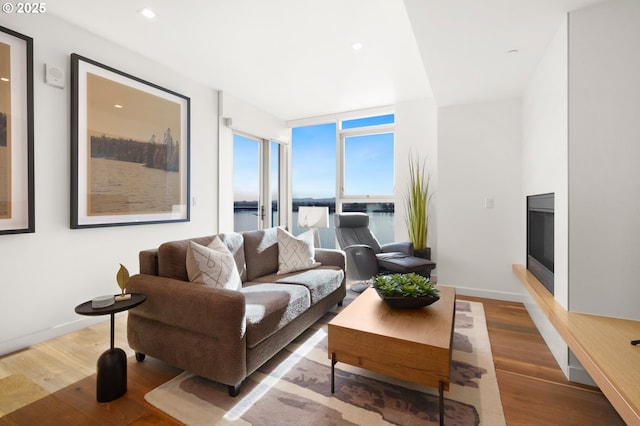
(343, 134)
(338, 119)
(266, 216)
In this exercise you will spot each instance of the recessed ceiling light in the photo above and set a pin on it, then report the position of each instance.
(513, 51)
(118, 106)
(356, 46)
(147, 13)
(4, 79)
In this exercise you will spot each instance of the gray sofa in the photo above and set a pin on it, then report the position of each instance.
(225, 335)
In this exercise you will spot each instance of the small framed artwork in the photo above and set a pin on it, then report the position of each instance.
(17, 210)
(129, 149)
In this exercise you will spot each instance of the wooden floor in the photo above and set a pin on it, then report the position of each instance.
(53, 383)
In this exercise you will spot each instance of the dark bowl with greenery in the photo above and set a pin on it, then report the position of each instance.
(406, 291)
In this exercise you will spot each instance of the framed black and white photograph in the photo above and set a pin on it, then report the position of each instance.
(17, 210)
(129, 149)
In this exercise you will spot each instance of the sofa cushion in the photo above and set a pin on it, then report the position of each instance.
(235, 244)
(320, 281)
(212, 265)
(260, 252)
(295, 253)
(172, 255)
(269, 307)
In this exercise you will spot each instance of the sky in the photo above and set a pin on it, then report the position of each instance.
(122, 110)
(246, 167)
(369, 162)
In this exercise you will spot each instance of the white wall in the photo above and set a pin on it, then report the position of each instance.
(544, 169)
(604, 159)
(479, 158)
(416, 130)
(46, 274)
(242, 117)
(236, 116)
(544, 147)
(580, 141)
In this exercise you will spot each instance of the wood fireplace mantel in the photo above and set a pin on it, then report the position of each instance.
(601, 344)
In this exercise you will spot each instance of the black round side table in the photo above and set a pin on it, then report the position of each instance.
(111, 382)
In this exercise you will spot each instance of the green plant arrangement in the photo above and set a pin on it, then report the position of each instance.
(417, 203)
(404, 285)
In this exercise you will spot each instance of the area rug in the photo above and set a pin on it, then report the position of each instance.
(294, 388)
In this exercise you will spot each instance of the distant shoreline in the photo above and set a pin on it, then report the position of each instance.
(318, 202)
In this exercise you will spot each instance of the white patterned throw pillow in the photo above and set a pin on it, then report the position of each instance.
(212, 265)
(295, 253)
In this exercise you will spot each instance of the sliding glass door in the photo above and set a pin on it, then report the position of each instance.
(256, 177)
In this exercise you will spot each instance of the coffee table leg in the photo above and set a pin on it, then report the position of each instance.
(441, 401)
(333, 363)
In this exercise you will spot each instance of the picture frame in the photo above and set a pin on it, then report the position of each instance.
(130, 149)
(17, 207)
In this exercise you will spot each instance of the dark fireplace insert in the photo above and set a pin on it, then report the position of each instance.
(540, 237)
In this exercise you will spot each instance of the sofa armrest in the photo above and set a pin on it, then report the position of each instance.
(331, 257)
(148, 260)
(214, 312)
(402, 247)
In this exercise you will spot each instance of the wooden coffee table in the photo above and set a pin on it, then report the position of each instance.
(411, 344)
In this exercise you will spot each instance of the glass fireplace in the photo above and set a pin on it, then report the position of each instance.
(540, 238)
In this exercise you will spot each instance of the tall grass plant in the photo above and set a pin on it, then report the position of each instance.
(417, 202)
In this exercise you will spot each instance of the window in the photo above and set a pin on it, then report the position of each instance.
(313, 158)
(368, 165)
(380, 218)
(347, 165)
(368, 121)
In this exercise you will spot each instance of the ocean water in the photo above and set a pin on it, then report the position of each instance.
(121, 187)
(381, 225)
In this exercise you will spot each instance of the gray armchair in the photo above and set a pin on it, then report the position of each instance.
(366, 257)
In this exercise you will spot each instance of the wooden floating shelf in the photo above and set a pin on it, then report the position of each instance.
(601, 344)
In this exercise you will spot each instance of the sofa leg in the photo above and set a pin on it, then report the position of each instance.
(340, 303)
(140, 357)
(234, 390)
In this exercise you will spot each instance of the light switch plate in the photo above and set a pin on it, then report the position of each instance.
(488, 203)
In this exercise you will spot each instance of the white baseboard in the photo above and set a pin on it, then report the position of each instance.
(23, 342)
(577, 373)
(580, 375)
(490, 294)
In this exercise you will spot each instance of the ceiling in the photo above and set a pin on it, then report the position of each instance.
(294, 58)
(477, 50)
